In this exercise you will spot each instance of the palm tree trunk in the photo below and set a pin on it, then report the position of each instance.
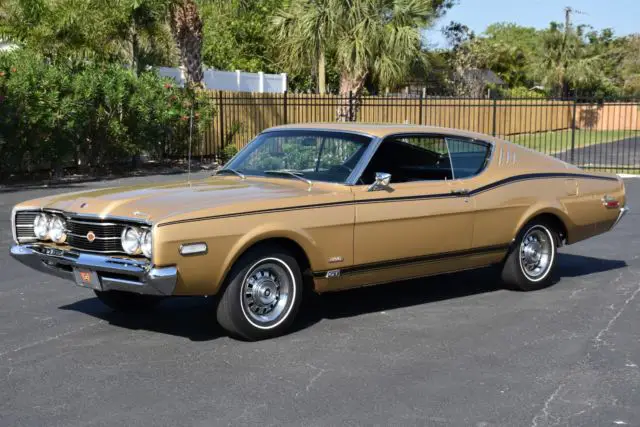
(350, 93)
(321, 72)
(186, 26)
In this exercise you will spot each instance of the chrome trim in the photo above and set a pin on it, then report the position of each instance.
(362, 164)
(14, 212)
(60, 263)
(98, 223)
(206, 249)
(74, 215)
(623, 212)
(24, 226)
(96, 238)
(284, 128)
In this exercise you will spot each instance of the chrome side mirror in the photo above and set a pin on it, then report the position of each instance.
(382, 182)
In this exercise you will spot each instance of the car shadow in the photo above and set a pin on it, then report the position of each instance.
(194, 317)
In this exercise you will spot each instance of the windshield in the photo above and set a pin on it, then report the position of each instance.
(312, 155)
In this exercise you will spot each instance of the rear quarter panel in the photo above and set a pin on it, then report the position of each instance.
(535, 184)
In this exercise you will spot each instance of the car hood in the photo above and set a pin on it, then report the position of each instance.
(158, 202)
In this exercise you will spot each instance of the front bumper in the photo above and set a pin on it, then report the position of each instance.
(114, 273)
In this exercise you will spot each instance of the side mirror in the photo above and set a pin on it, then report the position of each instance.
(382, 182)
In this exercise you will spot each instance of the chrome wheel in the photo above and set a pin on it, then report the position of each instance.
(267, 291)
(536, 253)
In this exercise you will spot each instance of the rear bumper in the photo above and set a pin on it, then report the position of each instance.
(623, 212)
(114, 273)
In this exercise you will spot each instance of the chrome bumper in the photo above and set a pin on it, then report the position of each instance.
(623, 211)
(118, 274)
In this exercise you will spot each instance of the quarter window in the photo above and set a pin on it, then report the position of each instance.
(468, 158)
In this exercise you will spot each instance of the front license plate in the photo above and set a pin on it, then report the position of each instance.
(87, 279)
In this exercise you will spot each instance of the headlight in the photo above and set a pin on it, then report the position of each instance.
(41, 226)
(131, 240)
(58, 229)
(146, 244)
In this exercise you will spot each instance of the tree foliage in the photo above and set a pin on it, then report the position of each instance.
(57, 115)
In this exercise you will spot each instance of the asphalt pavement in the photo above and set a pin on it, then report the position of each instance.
(624, 153)
(454, 350)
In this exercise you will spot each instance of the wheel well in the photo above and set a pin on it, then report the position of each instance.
(292, 246)
(556, 223)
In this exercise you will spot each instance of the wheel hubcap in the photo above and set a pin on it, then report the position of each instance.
(265, 292)
(536, 251)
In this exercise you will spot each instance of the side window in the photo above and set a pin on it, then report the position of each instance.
(468, 158)
(411, 158)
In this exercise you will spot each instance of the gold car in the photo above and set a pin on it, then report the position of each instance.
(321, 208)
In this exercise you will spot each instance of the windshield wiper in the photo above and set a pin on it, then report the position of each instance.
(233, 171)
(297, 175)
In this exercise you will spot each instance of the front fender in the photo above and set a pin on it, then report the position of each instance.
(273, 230)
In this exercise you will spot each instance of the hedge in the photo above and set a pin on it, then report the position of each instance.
(52, 116)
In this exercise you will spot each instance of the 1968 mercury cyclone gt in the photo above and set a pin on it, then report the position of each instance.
(322, 208)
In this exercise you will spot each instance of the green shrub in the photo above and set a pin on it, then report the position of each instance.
(54, 116)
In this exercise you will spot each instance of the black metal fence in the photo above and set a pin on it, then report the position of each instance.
(594, 134)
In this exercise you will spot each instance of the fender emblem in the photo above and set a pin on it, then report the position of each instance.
(335, 259)
(91, 236)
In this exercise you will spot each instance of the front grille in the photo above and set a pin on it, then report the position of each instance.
(24, 224)
(107, 235)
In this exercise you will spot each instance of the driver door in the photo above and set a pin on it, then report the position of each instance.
(421, 225)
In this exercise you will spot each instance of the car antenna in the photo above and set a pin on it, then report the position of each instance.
(190, 138)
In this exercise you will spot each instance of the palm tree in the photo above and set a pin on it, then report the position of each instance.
(372, 39)
(186, 26)
(304, 30)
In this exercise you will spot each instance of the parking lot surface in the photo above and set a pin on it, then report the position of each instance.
(452, 350)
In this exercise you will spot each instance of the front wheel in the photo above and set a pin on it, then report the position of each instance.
(263, 294)
(532, 258)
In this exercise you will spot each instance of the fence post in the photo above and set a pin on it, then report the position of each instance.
(420, 108)
(350, 113)
(573, 126)
(495, 111)
(285, 112)
(221, 114)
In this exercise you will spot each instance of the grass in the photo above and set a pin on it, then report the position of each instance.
(559, 141)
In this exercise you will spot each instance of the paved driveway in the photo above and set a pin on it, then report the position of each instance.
(454, 350)
(624, 153)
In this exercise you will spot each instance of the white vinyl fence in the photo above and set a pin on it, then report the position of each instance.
(238, 81)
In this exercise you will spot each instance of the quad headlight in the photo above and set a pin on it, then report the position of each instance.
(131, 240)
(41, 226)
(136, 241)
(147, 244)
(58, 230)
(50, 227)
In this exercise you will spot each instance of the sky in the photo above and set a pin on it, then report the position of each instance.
(621, 15)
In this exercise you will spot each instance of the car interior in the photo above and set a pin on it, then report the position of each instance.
(422, 158)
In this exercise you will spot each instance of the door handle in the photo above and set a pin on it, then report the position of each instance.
(460, 192)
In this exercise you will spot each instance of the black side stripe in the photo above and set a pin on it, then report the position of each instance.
(365, 268)
(478, 190)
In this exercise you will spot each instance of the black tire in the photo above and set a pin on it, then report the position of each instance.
(520, 270)
(262, 294)
(127, 301)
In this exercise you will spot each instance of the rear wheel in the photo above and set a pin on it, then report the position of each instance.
(532, 258)
(127, 301)
(263, 294)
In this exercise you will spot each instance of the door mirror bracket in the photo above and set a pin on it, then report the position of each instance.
(381, 182)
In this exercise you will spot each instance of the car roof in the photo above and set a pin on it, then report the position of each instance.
(382, 130)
